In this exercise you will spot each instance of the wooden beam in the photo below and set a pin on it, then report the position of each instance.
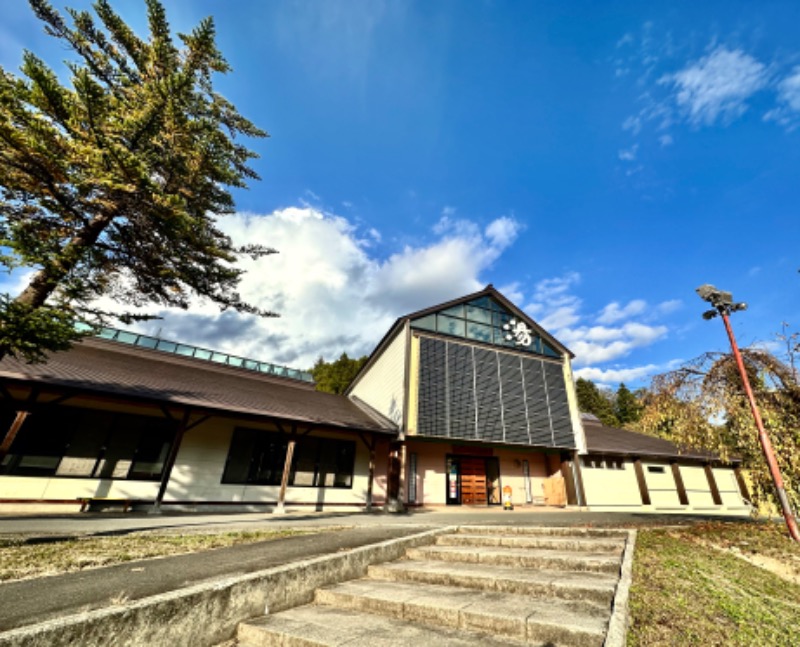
(579, 479)
(59, 400)
(287, 467)
(676, 474)
(737, 472)
(170, 462)
(11, 434)
(16, 425)
(569, 479)
(197, 422)
(712, 484)
(640, 479)
(371, 475)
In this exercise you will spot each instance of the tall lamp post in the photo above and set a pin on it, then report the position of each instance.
(723, 305)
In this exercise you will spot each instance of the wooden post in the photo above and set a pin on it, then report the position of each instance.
(712, 484)
(676, 473)
(11, 434)
(287, 468)
(19, 419)
(643, 491)
(569, 479)
(737, 472)
(371, 476)
(579, 479)
(170, 462)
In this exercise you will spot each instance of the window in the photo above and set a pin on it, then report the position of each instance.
(258, 457)
(481, 319)
(656, 469)
(71, 442)
(597, 461)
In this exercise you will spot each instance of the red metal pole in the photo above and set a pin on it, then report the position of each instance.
(766, 445)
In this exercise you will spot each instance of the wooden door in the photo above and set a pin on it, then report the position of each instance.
(473, 481)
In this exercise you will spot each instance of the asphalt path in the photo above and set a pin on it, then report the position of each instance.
(30, 601)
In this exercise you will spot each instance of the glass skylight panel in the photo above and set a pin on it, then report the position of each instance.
(127, 337)
(479, 315)
(450, 325)
(454, 311)
(427, 322)
(479, 332)
(167, 346)
(147, 342)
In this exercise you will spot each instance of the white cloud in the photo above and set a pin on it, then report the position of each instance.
(789, 90)
(666, 307)
(787, 113)
(717, 86)
(615, 376)
(613, 312)
(615, 332)
(553, 306)
(665, 140)
(333, 295)
(592, 345)
(502, 231)
(628, 154)
(632, 123)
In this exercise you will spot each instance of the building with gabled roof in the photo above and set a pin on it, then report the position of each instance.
(469, 402)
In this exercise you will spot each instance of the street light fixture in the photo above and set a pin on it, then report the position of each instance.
(723, 305)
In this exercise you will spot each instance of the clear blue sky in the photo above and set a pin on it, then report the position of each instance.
(595, 161)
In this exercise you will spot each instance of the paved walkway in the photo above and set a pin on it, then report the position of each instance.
(35, 600)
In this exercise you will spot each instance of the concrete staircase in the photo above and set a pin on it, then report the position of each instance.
(481, 585)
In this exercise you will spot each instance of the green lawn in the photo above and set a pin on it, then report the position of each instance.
(691, 586)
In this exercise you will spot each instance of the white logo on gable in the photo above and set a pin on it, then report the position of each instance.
(518, 332)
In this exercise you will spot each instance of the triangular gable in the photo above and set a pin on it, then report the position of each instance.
(488, 299)
(488, 317)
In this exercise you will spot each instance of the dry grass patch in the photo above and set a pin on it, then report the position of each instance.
(692, 587)
(21, 560)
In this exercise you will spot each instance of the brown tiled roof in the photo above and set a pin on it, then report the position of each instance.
(610, 440)
(109, 368)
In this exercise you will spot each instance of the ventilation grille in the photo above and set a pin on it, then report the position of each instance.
(472, 393)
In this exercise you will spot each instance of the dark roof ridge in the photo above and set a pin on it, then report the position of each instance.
(603, 439)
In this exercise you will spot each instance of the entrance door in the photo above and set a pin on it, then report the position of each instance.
(473, 481)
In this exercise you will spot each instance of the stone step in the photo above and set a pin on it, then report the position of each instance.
(554, 531)
(517, 617)
(540, 558)
(594, 588)
(321, 625)
(587, 544)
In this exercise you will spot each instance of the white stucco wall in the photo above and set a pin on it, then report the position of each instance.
(382, 386)
(611, 487)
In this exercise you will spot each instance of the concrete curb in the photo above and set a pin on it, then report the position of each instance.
(207, 614)
(618, 624)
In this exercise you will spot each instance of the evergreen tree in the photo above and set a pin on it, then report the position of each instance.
(111, 184)
(593, 400)
(626, 406)
(335, 377)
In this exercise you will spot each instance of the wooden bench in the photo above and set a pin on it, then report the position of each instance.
(87, 502)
